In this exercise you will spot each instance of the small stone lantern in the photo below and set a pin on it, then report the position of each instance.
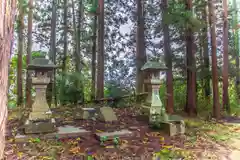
(40, 119)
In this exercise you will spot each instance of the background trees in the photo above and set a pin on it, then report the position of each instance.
(99, 61)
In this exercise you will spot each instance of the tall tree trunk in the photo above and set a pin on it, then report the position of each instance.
(65, 47)
(29, 55)
(20, 53)
(7, 14)
(225, 99)
(94, 38)
(191, 68)
(79, 33)
(140, 50)
(236, 45)
(52, 55)
(76, 39)
(206, 55)
(212, 23)
(77, 54)
(100, 57)
(168, 59)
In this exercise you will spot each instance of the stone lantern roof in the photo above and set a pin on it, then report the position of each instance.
(41, 63)
(154, 66)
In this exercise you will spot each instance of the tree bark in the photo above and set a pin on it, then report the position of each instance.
(29, 55)
(206, 55)
(100, 57)
(236, 46)
(65, 47)
(7, 14)
(94, 38)
(225, 99)
(191, 68)
(212, 23)
(20, 27)
(52, 55)
(140, 50)
(168, 59)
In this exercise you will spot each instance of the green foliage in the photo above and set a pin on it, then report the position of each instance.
(178, 15)
(12, 75)
(103, 139)
(114, 90)
(68, 88)
(92, 6)
(116, 140)
(179, 94)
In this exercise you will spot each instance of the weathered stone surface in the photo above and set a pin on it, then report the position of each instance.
(106, 114)
(47, 126)
(40, 119)
(153, 107)
(173, 128)
(121, 134)
(40, 108)
(85, 113)
(62, 132)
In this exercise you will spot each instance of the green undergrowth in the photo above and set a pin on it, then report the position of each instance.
(210, 129)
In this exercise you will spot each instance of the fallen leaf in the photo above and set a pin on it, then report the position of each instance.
(168, 147)
(109, 147)
(99, 131)
(20, 154)
(124, 141)
(161, 138)
(75, 150)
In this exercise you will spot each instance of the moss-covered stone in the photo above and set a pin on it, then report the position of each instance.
(47, 126)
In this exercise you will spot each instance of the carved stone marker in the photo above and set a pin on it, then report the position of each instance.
(85, 113)
(40, 119)
(158, 118)
(106, 114)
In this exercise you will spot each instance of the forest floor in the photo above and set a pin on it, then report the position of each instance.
(203, 140)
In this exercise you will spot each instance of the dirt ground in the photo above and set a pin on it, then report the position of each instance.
(203, 140)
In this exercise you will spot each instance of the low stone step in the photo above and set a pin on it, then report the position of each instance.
(66, 131)
(110, 135)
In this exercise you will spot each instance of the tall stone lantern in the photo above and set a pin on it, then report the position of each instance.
(153, 104)
(158, 118)
(40, 118)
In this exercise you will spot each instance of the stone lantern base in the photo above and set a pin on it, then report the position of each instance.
(42, 126)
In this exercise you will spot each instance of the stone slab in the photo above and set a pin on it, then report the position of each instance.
(121, 134)
(32, 127)
(66, 131)
(85, 113)
(173, 128)
(107, 114)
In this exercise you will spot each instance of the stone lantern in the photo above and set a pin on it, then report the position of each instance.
(40, 118)
(153, 104)
(158, 118)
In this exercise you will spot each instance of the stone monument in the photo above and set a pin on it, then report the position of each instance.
(40, 118)
(153, 107)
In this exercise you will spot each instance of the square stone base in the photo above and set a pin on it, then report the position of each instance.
(85, 113)
(173, 128)
(46, 126)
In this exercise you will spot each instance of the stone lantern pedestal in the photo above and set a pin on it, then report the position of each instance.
(153, 107)
(40, 119)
